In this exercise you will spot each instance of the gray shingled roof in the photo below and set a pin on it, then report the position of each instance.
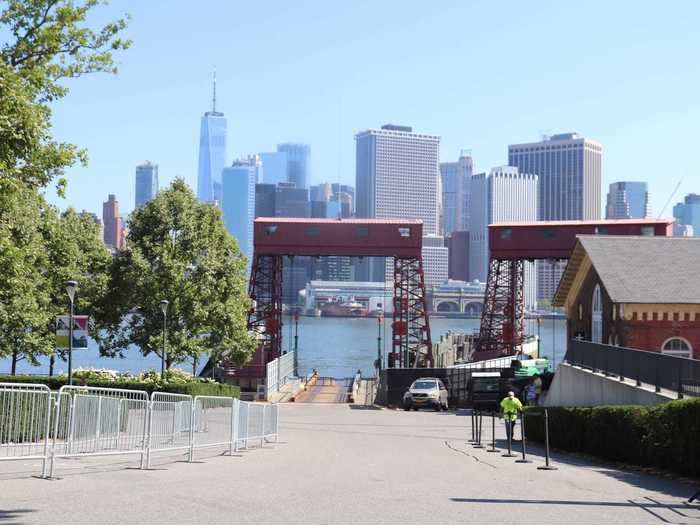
(646, 269)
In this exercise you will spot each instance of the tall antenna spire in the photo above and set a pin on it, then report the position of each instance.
(213, 98)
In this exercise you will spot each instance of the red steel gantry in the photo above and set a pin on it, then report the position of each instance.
(275, 238)
(511, 244)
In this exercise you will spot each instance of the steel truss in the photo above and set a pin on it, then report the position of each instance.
(411, 343)
(503, 321)
(265, 316)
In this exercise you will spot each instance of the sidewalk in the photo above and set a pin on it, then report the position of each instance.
(339, 464)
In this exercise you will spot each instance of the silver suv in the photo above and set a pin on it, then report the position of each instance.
(426, 392)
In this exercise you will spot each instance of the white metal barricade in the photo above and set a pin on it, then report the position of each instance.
(92, 421)
(25, 415)
(213, 423)
(169, 423)
(271, 422)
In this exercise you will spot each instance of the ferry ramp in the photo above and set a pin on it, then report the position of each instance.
(326, 390)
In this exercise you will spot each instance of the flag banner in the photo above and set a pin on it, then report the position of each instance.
(80, 332)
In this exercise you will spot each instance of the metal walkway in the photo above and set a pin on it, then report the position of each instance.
(326, 390)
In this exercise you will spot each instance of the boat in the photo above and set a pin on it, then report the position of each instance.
(349, 308)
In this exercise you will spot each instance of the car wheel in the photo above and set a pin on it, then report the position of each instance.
(407, 408)
(415, 408)
(438, 407)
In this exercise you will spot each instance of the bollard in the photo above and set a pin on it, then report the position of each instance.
(493, 433)
(546, 465)
(509, 435)
(479, 425)
(522, 434)
(473, 439)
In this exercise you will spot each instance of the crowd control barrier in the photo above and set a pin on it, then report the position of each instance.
(83, 421)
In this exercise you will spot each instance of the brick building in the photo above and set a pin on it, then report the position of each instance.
(636, 292)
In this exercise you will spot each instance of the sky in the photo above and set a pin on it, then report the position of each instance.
(481, 75)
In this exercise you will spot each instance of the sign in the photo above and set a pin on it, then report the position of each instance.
(80, 332)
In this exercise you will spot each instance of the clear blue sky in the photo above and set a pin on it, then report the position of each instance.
(479, 74)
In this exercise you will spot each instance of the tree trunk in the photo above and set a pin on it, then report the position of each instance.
(52, 360)
(14, 363)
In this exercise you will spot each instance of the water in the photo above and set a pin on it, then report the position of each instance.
(335, 347)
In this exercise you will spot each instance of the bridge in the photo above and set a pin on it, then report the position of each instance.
(502, 328)
(275, 239)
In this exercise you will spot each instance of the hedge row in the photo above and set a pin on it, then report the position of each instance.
(193, 388)
(663, 436)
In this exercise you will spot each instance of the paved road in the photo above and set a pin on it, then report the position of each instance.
(336, 464)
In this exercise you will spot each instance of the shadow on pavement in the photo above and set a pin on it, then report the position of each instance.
(12, 516)
(363, 407)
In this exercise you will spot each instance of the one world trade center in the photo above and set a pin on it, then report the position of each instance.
(212, 153)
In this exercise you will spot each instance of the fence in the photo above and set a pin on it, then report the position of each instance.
(25, 417)
(87, 421)
(677, 374)
(278, 370)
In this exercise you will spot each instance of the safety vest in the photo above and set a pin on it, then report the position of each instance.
(510, 408)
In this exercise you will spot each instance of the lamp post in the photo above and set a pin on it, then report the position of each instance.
(70, 290)
(296, 342)
(164, 307)
(380, 319)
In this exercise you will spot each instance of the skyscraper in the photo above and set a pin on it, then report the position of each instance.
(458, 250)
(274, 165)
(628, 200)
(146, 183)
(212, 153)
(298, 163)
(687, 213)
(113, 233)
(397, 174)
(504, 195)
(456, 180)
(435, 260)
(238, 201)
(569, 170)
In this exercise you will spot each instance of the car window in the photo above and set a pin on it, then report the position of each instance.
(423, 385)
(442, 385)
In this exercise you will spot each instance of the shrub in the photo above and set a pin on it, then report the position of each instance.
(663, 436)
(194, 386)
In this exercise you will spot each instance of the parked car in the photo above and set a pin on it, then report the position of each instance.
(425, 392)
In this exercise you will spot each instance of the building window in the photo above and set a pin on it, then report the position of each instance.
(601, 230)
(580, 312)
(597, 316)
(361, 231)
(312, 231)
(270, 230)
(677, 347)
(506, 233)
(549, 233)
(405, 232)
(648, 231)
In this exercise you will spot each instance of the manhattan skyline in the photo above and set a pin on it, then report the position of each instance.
(624, 79)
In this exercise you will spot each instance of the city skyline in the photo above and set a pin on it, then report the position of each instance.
(318, 71)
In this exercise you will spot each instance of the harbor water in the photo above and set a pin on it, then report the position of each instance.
(336, 347)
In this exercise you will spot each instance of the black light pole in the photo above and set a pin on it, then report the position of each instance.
(164, 307)
(380, 320)
(296, 343)
(70, 290)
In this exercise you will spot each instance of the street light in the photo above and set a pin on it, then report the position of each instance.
(380, 319)
(164, 307)
(70, 290)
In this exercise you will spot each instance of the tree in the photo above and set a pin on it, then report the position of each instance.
(178, 250)
(24, 301)
(45, 42)
(74, 250)
(41, 250)
(48, 43)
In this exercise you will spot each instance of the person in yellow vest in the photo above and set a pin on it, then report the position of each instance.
(510, 406)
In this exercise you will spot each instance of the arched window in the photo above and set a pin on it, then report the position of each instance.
(597, 316)
(677, 347)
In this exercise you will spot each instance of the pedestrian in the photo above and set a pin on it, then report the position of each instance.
(530, 394)
(538, 387)
(510, 406)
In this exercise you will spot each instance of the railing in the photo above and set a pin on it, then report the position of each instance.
(86, 421)
(278, 370)
(657, 370)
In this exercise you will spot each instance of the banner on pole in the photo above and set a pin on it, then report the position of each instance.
(80, 332)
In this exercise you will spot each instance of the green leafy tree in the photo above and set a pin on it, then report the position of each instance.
(178, 250)
(46, 41)
(24, 301)
(42, 43)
